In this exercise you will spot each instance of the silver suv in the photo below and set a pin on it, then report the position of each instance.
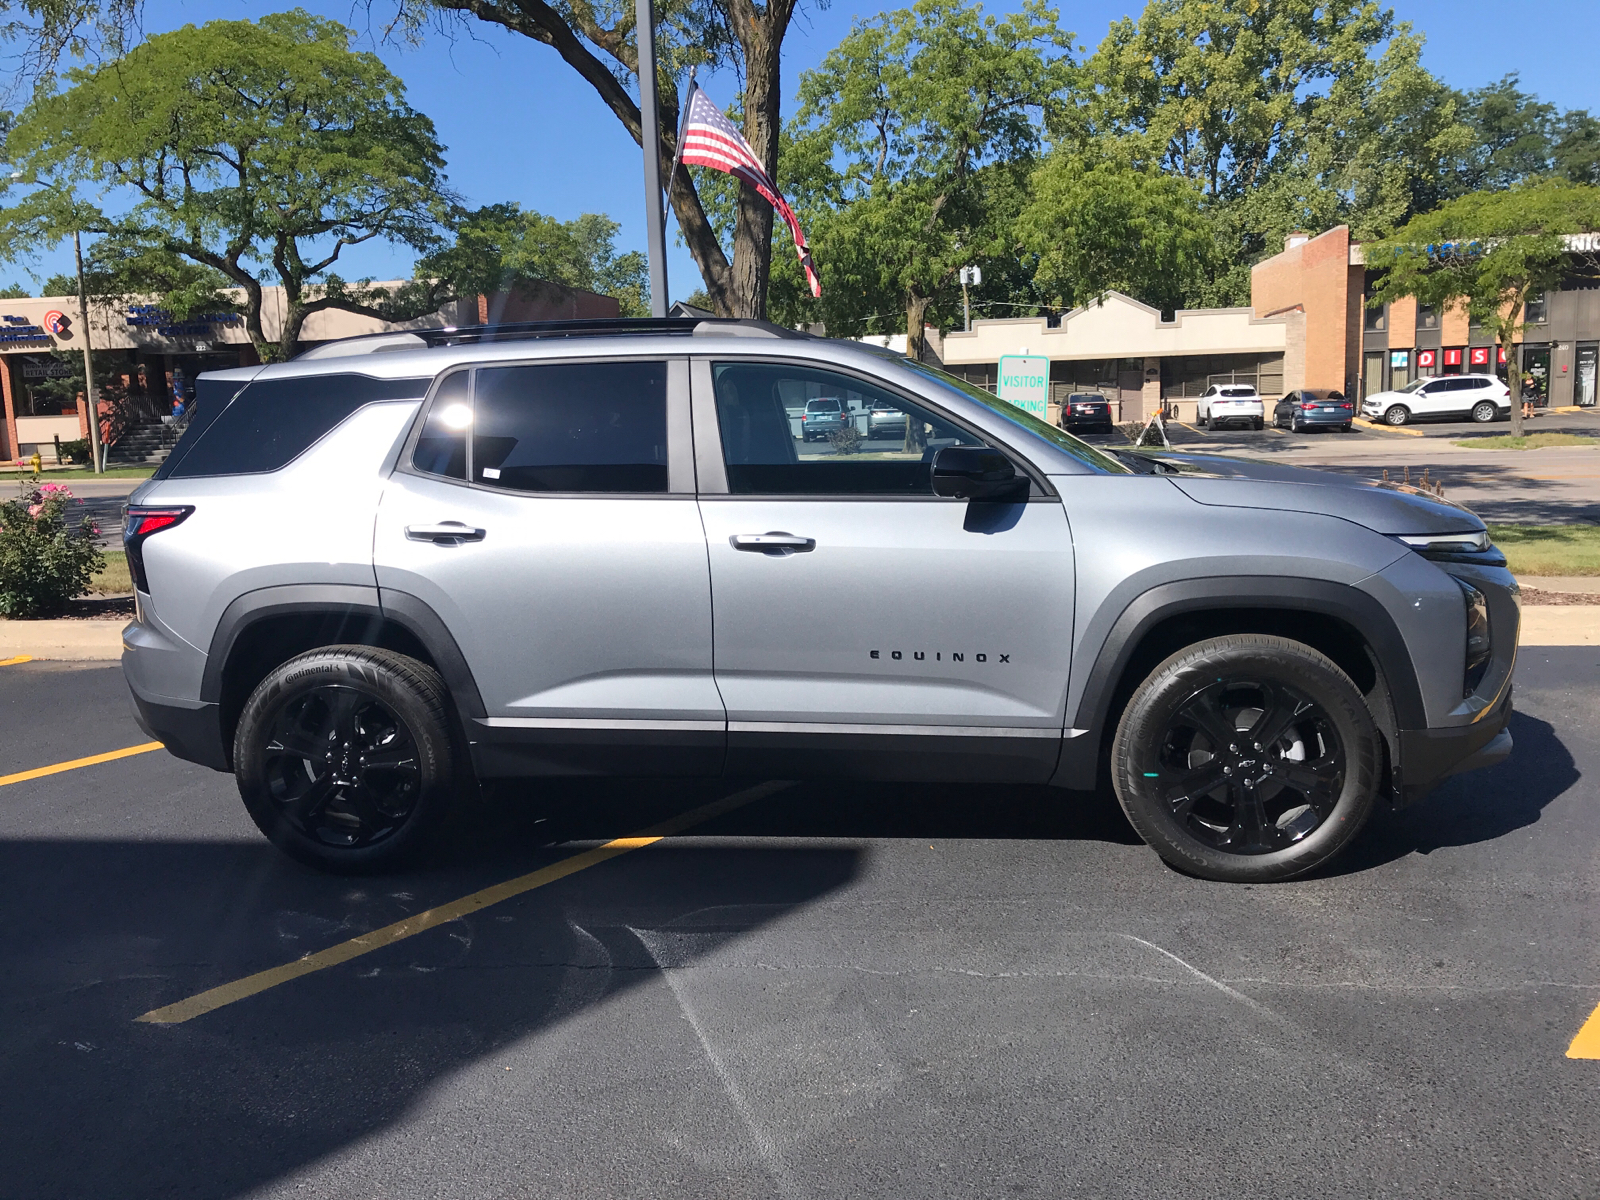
(401, 565)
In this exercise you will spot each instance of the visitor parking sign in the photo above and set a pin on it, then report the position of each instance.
(1025, 382)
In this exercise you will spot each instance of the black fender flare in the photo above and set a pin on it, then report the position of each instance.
(1343, 602)
(352, 601)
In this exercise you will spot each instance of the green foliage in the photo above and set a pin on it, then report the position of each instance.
(43, 562)
(250, 151)
(14, 291)
(909, 146)
(503, 246)
(1097, 224)
(75, 451)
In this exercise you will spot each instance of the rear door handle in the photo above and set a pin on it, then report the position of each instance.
(774, 542)
(445, 533)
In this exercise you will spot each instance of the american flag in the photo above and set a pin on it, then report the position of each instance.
(710, 140)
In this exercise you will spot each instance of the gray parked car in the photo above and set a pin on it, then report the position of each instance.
(366, 580)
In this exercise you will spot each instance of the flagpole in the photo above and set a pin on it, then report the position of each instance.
(677, 148)
(650, 139)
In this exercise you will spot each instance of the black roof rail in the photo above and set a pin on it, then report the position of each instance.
(465, 335)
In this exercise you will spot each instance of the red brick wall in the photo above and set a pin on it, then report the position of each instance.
(550, 303)
(1315, 276)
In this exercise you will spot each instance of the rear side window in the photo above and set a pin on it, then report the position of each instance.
(571, 427)
(274, 421)
(442, 446)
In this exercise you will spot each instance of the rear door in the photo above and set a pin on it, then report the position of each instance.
(546, 513)
(865, 626)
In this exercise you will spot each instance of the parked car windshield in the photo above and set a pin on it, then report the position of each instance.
(1413, 386)
(1239, 391)
(1059, 438)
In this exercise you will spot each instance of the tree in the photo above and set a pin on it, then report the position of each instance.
(252, 151)
(1491, 252)
(912, 138)
(502, 246)
(1098, 224)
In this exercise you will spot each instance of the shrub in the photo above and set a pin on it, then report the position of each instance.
(43, 562)
(76, 451)
(846, 440)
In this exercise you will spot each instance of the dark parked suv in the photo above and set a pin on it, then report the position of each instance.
(402, 564)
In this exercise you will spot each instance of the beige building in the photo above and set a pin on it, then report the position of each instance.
(1126, 351)
(145, 360)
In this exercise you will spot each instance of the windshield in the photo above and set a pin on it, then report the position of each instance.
(1058, 438)
(1412, 387)
(1238, 391)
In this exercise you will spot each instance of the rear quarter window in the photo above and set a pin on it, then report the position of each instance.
(274, 421)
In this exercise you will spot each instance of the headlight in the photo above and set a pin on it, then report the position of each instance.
(1478, 648)
(1471, 547)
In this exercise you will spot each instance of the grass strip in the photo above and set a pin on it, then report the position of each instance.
(1549, 549)
(1529, 441)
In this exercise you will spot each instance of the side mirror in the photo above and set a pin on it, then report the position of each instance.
(977, 473)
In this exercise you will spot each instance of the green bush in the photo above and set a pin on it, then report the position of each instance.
(43, 563)
(75, 451)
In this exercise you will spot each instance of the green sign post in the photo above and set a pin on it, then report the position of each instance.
(1025, 382)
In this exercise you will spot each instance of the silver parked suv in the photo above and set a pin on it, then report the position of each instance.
(400, 564)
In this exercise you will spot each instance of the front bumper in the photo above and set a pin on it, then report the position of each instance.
(1429, 756)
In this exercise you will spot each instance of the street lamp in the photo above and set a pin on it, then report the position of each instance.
(96, 456)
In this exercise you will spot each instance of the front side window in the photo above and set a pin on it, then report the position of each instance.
(768, 451)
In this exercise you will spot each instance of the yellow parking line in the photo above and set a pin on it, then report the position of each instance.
(20, 658)
(250, 985)
(1587, 1043)
(56, 769)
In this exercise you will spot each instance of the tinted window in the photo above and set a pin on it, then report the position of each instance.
(767, 451)
(274, 421)
(571, 427)
(211, 396)
(442, 446)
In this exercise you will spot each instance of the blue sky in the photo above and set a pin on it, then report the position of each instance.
(520, 125)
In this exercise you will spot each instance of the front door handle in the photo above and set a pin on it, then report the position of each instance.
(775, 542)
(445, 533)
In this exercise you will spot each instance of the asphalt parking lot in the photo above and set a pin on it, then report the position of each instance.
(826, 990)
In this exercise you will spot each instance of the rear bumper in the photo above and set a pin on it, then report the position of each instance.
(191, 733)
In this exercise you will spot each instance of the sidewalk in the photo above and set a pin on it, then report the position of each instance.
(62, 640)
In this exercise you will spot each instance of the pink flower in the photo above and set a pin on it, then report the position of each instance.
(33, 509)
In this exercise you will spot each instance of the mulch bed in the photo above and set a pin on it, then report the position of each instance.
(1536, 596)
(98, 608)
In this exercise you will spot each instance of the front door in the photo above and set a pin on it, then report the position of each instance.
(546, 514)
(864, 626)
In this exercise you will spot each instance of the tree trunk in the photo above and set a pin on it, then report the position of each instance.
(916, 310)
(1514, 382)
(760, 33)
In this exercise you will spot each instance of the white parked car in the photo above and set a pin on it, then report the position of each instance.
(1229, 403)
(1484, 398)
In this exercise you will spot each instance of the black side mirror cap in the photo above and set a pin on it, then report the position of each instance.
(977, 473)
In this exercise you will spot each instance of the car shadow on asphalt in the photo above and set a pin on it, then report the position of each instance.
(97, 932)
(1478, 806)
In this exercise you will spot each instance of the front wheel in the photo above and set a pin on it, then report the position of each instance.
(343, 758)
(1246, 759)
(1484, 411)
(1397, 414)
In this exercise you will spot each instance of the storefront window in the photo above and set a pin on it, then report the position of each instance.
(46, 385)
(1583, 384)
(1536, 375)
(1537, 310)
(1399, 368)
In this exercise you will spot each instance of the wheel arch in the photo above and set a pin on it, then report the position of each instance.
(266, 627)
(1348, 625)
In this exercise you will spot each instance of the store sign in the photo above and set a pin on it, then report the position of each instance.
(1478, 356)
(1452, 358)
(46, 368)
(1427, 359)
(20, 331)
(153, 316)
(56, 322)
(1025, 382)
(1501, 356)
(1399, 358)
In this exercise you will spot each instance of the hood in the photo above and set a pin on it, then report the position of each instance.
(1395, 509)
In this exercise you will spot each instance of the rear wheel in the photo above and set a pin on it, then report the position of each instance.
(1484, 411)
(1258, 424)
(1397, 414)
(343, 758)
(1246, 758)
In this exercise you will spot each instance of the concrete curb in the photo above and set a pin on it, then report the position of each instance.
(1568, 625)
(79, 641)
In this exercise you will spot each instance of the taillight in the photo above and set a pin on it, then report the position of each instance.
(140, 522)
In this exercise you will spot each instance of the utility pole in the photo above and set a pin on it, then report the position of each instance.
(96, 455)
(650, 140)
(973, 276)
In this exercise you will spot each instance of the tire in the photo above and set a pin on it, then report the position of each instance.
(1267, 814)
(1485, 411)
(1258, 424)
(337, 811)
(1345, 428)
(1294, 425)
(1396, 414)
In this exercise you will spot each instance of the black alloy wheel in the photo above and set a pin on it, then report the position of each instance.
(341, 767)
(1250, 766)
(343, 758)
(1247, 758)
